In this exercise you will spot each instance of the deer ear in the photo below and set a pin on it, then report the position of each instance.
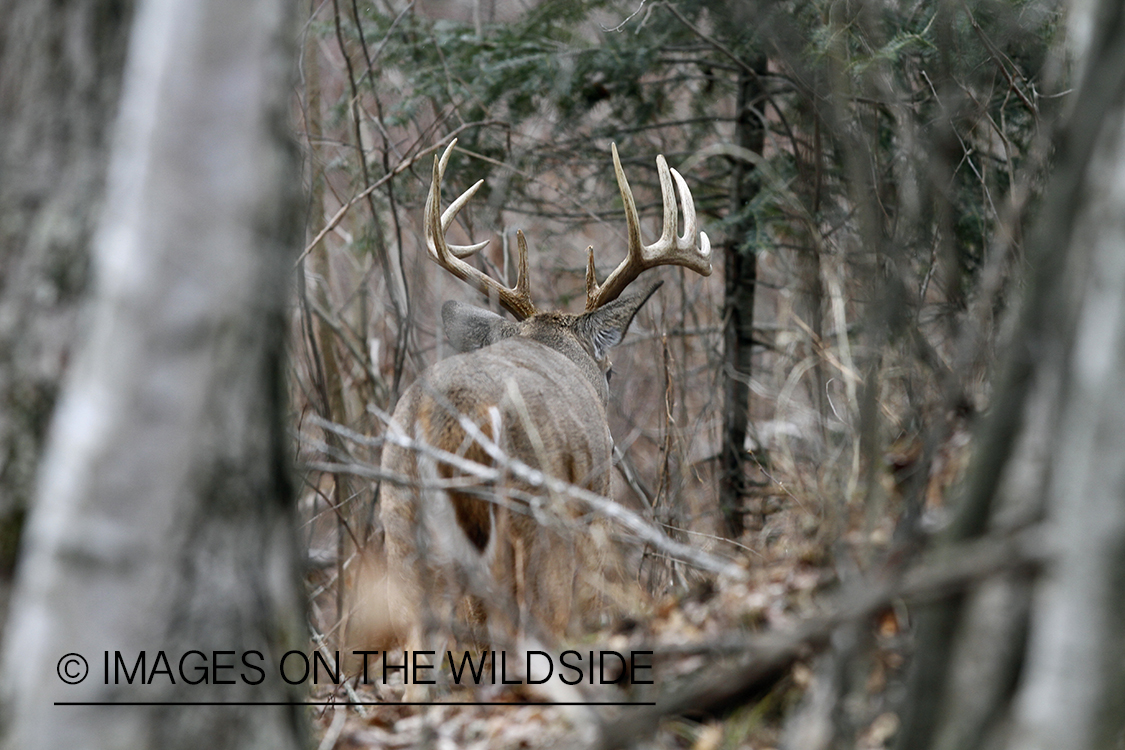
(605, 327)
(469, 328)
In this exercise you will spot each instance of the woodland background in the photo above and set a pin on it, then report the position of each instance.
(894, 404)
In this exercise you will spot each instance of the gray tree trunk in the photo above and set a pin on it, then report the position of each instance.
(1040, 663)
(60, 77)
(163, 518)
(1073, 694)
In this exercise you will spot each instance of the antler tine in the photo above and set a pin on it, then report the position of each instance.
(516, 300)
(668, 250)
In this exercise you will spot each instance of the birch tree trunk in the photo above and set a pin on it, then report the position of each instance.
(60, 78)
(163, 519)
(1073, 694)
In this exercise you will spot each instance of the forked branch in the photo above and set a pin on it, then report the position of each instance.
(516, 300)
(690, 250)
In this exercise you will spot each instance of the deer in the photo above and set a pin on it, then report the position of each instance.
(534, 390)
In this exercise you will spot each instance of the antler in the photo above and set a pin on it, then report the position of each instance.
(516, 300)
(669, 250)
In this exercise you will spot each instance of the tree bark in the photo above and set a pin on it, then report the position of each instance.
(60, 77)
(1073, 694)
(163, 519)
(741, 273)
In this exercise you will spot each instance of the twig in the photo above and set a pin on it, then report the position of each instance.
(742, 64)
(364, 362)
(360, 709)
(628, 18)
(399, 169)
(603, 506)
(339, 718)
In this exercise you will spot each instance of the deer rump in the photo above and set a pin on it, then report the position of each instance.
(488, 549)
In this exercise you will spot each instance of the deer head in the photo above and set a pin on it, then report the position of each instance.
(605, 322)
(533, 390)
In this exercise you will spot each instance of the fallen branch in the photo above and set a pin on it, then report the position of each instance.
(761, 660)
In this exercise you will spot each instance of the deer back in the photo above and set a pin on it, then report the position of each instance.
(536, 391)
(532, 390)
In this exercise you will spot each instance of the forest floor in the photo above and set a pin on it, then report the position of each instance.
(789, 568)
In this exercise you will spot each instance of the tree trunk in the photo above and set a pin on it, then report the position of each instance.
(1073, 694)
(1042, 665)
(163, 519)
(738, 306)
(60, 77)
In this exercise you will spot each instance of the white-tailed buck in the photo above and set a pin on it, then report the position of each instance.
(533, 390)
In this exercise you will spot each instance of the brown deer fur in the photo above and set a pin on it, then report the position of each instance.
(540, 382)
(532, 391)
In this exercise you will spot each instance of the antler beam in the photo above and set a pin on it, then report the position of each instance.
(687, 250)
(516, 300)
